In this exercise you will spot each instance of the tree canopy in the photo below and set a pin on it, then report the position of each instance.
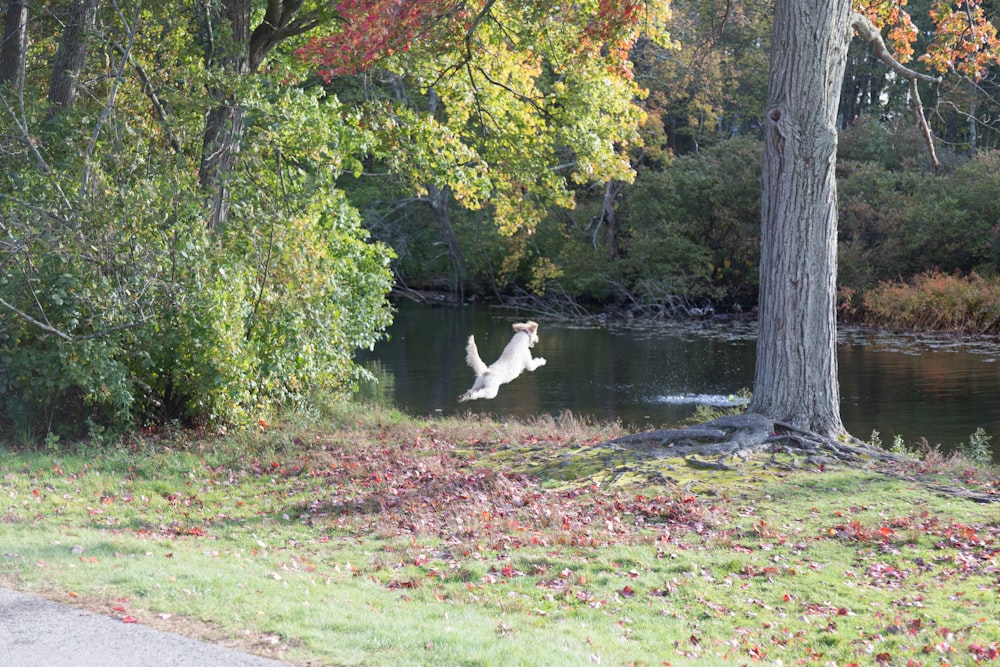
(180, 191)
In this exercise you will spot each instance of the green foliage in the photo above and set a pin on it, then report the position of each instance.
(898, 223)
(120, 306)
(202, 327)
(699, 218)
(898, 445)
(978, 450)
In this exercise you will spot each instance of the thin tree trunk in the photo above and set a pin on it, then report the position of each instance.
(15, 44)
(612, 189)
(439, 199)
(71, 56)
(224, 123)
(796, 372)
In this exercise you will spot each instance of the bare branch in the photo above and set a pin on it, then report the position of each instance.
(867, 30)
(38, 323)
(918, 110)
(147, 86)
(112, 96)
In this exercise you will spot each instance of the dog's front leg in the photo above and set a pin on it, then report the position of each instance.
(535, 363)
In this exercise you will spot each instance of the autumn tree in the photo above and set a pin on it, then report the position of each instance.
(796, 394)
(236, 48)
(496, 104)
(118, 304)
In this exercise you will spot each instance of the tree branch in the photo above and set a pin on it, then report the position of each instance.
(280, 23)
(867, 30)
(38, 323)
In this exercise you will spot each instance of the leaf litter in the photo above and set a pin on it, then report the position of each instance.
(547, 526)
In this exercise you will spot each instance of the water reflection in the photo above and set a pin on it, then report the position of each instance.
(941, 388)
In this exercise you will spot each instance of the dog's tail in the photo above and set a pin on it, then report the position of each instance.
(472, 357)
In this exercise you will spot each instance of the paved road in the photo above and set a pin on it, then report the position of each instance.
(41, 633)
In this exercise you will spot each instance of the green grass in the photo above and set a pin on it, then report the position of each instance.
(375, 539)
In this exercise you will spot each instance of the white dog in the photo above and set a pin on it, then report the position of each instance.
(516, 359)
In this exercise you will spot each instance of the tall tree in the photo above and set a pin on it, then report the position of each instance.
(235, 49)
(796, 373)
(507, 103)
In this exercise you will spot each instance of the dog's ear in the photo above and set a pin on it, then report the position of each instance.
(531, 326)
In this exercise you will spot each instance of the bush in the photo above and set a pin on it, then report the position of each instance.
(933, 301)
(178, 323)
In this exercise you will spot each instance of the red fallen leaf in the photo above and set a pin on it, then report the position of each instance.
(626, 592)
(982, 653)
(129, 619)
(119, 607)
(883, 658)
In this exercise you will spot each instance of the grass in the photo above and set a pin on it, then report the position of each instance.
(370, 538)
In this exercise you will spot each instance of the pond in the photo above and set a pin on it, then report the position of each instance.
(649, 375)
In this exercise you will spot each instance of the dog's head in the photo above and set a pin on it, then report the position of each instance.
(530, 328)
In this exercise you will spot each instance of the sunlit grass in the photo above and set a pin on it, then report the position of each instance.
(367, 538)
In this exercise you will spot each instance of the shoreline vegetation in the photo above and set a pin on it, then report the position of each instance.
(932, 301)
(357, 535)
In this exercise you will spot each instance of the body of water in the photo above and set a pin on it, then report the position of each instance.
(654, 374)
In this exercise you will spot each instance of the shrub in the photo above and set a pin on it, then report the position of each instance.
(183, 324)
(931, 301)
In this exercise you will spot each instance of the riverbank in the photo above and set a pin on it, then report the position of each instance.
(371, 538)
(930, 302)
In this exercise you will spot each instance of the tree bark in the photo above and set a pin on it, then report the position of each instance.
(239, 53)
(15, 44)
(796, 373)
(71, 55)
(224, 123)
(612, 189)
(439, 200)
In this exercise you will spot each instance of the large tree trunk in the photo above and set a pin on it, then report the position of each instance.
(796, 372)
(71, 55)
(15, 44)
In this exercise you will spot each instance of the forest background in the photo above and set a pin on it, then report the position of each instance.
(529, 163)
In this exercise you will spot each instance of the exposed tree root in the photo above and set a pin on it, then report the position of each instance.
(723, 443)
(736, 437)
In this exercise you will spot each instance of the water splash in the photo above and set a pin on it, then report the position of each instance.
(714, 400)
